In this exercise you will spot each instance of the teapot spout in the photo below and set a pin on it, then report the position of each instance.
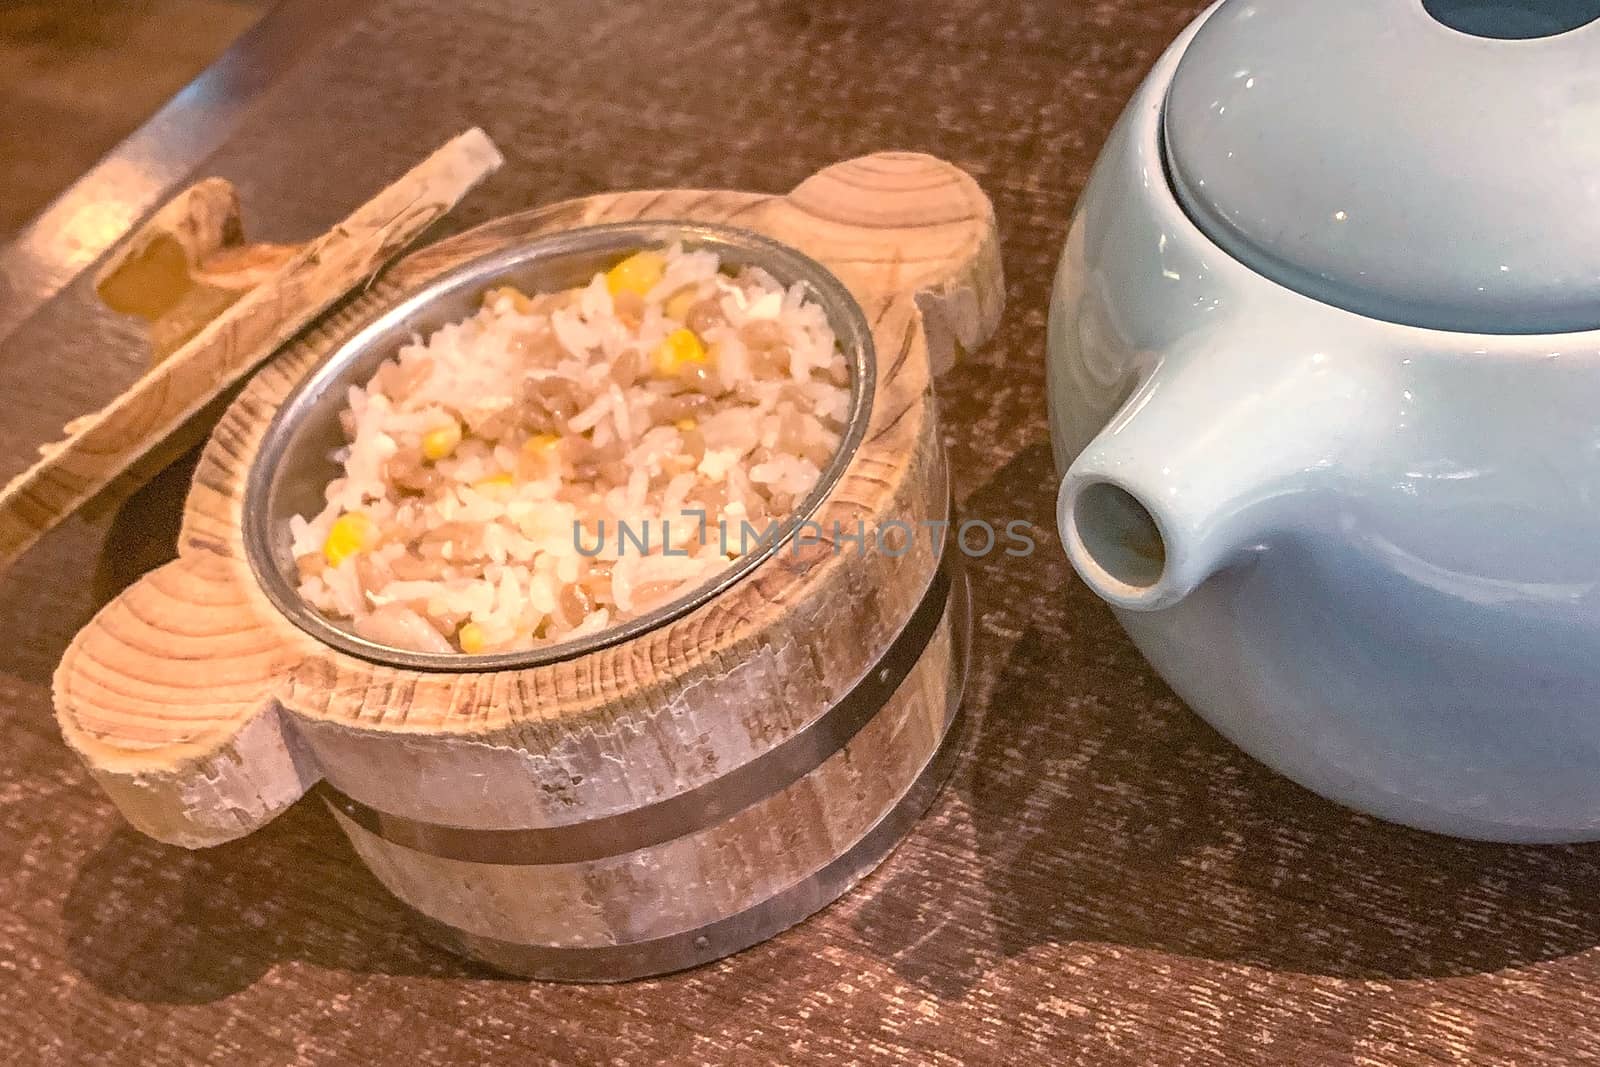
(1218, 451)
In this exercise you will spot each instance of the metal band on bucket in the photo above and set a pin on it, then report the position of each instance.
(725, 936)
(675, 952)
(707, 804)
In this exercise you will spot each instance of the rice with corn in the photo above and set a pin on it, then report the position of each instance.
(490, 464)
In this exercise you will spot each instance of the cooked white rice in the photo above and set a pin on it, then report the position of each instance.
(485, 461)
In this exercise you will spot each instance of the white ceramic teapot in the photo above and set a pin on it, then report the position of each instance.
(1325, 389)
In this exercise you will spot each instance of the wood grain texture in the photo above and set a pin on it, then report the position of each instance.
(1107, 882)
(189, 274)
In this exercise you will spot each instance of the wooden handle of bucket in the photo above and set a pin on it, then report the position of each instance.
(203, 712)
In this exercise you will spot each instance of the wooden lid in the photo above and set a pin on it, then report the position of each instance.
(216, 307)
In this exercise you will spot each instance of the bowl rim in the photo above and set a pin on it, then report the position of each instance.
(263, 537)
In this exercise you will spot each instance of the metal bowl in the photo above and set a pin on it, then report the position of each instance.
(294, 463)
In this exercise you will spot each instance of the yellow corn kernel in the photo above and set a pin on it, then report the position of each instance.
(680, 349)
(437, 444)
(521, 302)
(678, 305)
(541, 457)
(350, 533)
(503, 480)
(540, 443)
(685, 425)
(471, 638)
(636, 274)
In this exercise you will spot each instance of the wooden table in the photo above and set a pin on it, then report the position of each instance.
(1104, 881)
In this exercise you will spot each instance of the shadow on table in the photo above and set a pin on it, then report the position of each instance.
(1102, 810)
(154, 922)
(143, 533)
(54, 589)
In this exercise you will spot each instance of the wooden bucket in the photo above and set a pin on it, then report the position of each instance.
(647, 805)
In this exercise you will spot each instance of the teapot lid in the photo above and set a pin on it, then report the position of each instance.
(1431, 162)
